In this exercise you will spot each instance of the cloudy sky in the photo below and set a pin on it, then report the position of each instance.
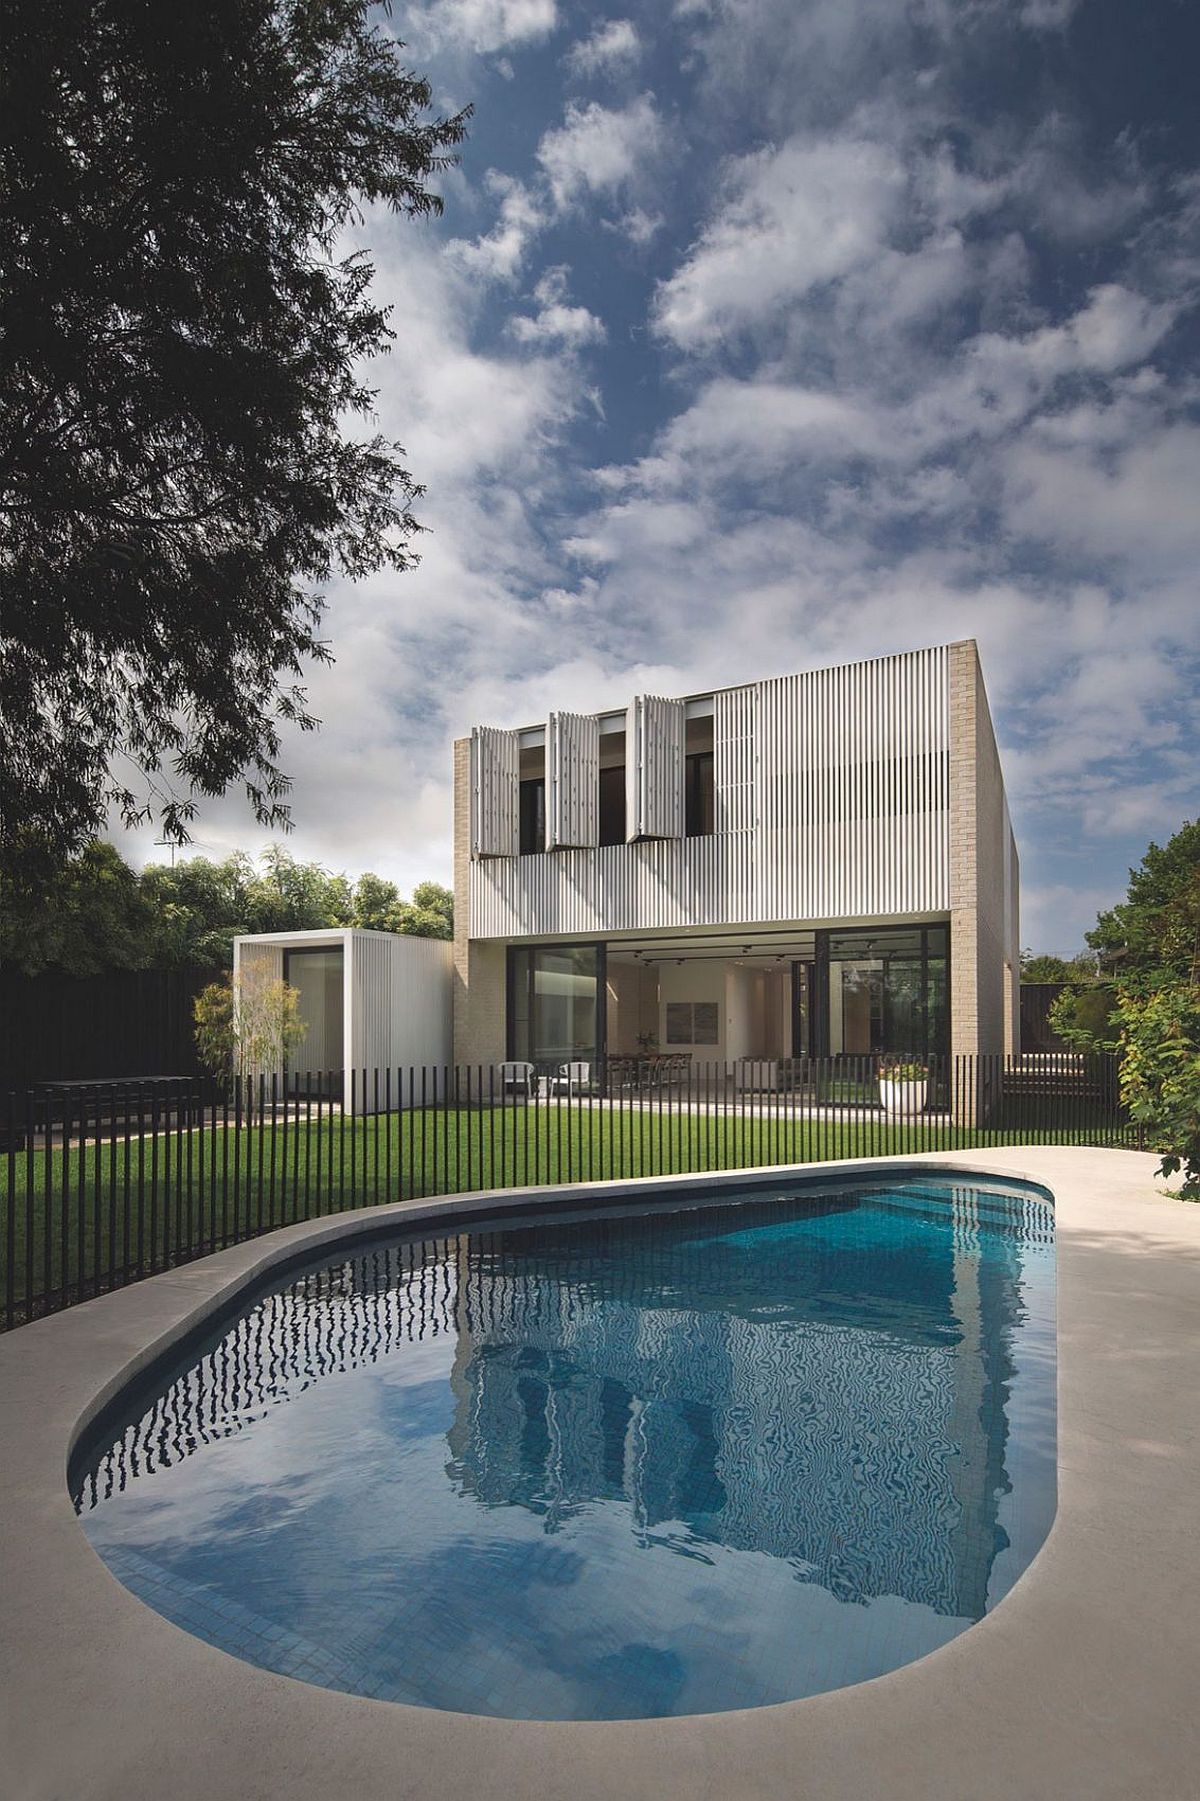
(762, 334)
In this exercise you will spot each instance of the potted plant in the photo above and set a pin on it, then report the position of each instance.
(903, 1086)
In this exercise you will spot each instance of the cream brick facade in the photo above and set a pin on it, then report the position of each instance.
(479, 966)
(984, 875)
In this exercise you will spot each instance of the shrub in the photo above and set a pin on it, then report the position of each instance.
(897, 1069)
(248, 1026)
(1160, 1075)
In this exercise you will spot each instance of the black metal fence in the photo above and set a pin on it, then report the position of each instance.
(104, 1183)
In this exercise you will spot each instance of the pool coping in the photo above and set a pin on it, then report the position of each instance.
(1080, 1683)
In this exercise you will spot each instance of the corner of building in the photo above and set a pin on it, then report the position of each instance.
(984, 873)
(479, 966)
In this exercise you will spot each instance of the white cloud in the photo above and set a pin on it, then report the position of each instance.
(1136, 502)
(599, 150)
(596, 152)
(613, 48)
(637, 225)
(556, 321)
(743, 426)
(479, 25)
(789, 220)
(498, 255)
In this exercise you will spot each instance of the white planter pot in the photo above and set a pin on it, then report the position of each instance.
(902, 1099)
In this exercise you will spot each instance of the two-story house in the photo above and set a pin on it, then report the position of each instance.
(819, 863)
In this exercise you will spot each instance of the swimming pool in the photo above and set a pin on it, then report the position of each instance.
(697, 1456)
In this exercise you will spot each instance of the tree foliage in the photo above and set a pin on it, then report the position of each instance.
(1153, 936)
(183, 459)
(1084, 1017)
(1151, 944)
(1043, 966)
(378, 906)
(1160, 1075)
(97, 913)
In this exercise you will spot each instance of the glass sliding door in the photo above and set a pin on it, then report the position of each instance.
(555, 1004)
(887, 991)
(315, 1064)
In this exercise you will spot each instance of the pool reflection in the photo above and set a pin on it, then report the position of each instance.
(680, 1419)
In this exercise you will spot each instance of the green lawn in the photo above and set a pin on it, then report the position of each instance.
(72, 1214)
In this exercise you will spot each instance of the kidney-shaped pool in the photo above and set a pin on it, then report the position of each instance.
(722, 1452)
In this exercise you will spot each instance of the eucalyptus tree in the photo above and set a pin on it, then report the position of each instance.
(186, 458)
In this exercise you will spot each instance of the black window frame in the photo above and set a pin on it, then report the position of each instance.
(611, 805)
(819, 982)
(531, 798)
(700, 794)
(512, 952)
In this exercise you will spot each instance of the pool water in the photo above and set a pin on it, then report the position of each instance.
(706, 1456)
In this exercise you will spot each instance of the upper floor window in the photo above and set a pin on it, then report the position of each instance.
(533, 816)
(699, 815)
(612, 805)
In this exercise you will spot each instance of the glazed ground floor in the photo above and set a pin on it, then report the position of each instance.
(718, 996)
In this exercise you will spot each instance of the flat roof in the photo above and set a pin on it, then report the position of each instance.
(707, 694)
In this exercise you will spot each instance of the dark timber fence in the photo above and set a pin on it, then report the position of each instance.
(122, 1022)
(1037, 998)
(104, 1183)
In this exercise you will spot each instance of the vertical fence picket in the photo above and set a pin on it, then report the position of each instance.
(10, 1216)
(155, 1148)
(93, 1285)
(30, 1126)
(224, 1129)
(73, 1290)
(312, 1140)
(135, 1219)
(387, 1121)
(65, 1169)
(190, 1166)
(272, 1164)
(256, 1149)
(410, 1131)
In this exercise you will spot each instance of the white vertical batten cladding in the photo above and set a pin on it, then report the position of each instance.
(397, 999)
(831, 799)
(654, 746)
(401, 1001)
(495, 792)
(572, 780)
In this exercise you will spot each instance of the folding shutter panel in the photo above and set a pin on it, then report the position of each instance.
(495, 785)
(733, 764)
(654, 765)
(572, 780)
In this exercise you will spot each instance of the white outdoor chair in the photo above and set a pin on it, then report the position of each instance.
(518, 1078)
(574, 1077)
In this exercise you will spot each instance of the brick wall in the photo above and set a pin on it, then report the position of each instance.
(984, 957)
(479, 968)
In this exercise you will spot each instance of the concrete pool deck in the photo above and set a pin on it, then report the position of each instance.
(1079, 1687)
